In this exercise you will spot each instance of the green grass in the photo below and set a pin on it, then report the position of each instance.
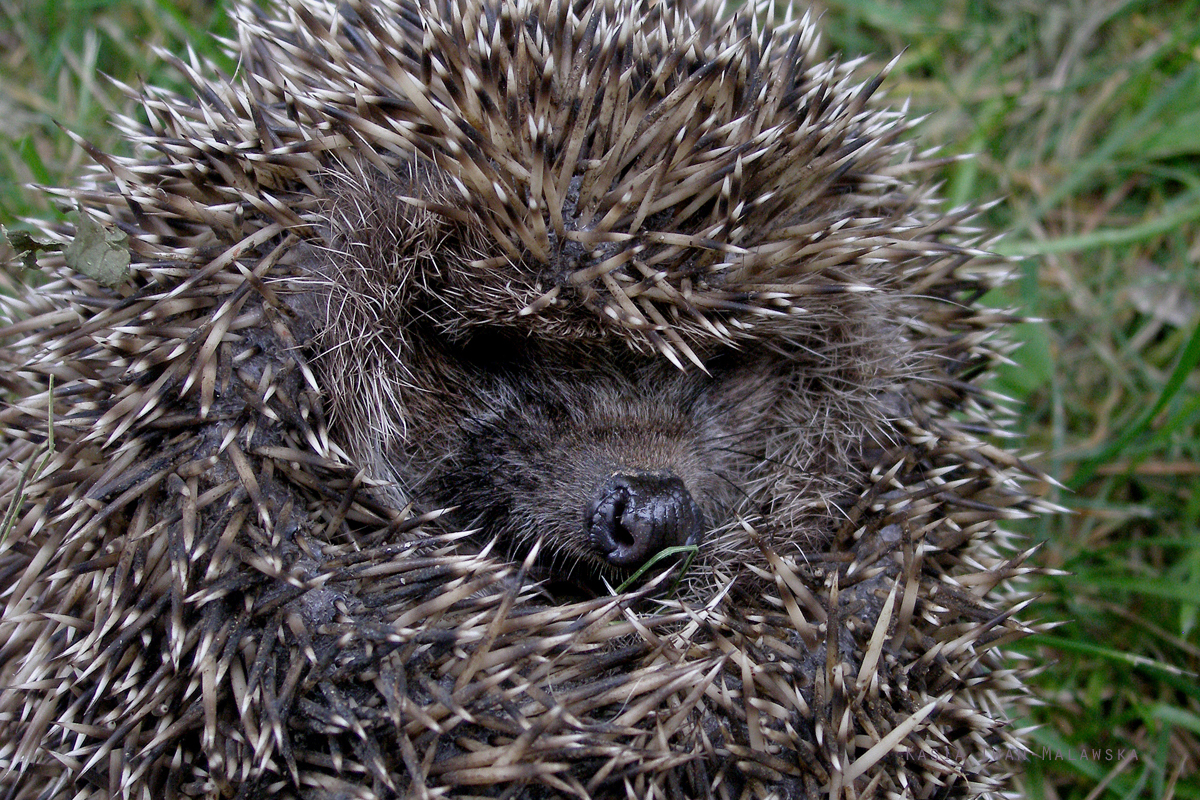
(1086, 118)
(54, 59)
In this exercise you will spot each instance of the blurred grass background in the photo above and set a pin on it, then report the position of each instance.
(1086, 120)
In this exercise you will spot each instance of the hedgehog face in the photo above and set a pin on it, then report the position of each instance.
(515, 393)
(605, 456)
(548, 426)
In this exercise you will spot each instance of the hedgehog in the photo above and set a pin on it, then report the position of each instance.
(512, 398)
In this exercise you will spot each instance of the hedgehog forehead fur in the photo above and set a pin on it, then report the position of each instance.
(421, 267)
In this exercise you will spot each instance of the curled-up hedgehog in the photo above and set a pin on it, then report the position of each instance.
(511, 399)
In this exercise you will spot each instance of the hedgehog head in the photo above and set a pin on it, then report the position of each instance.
(535, 215)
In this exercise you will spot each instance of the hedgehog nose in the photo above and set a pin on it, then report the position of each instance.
(633, 516)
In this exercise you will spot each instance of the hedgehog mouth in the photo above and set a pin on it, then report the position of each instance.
(587, 579)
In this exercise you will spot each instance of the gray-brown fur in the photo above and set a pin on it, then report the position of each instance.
(477, 256)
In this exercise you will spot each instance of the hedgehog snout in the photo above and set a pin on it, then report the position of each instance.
(632, 516)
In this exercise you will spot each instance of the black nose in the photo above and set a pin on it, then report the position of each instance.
(634, 516)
